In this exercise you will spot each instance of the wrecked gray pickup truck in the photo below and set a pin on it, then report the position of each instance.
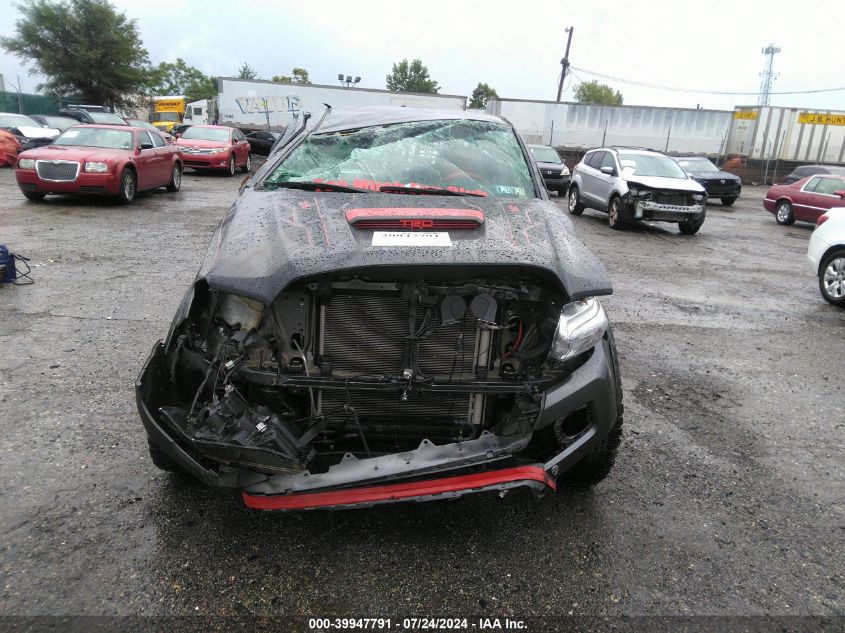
(391, 310)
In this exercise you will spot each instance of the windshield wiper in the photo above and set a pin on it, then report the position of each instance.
(311, 185)
(428, 191)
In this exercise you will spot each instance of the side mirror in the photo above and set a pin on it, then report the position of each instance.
(146, 145)
(840, 193)
(608, 170)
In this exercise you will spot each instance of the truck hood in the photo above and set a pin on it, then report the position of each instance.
(271, 238)
(658, 182)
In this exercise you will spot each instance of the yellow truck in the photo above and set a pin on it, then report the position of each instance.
(168, 111)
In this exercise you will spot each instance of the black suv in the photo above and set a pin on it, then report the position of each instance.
(555, 173)
(92, 114)
(717, 183)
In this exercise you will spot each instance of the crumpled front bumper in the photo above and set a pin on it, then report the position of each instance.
(647, 210)
(487, 463)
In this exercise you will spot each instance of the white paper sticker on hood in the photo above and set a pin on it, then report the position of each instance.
(410, 238)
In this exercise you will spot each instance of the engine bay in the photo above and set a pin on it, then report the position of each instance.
(360, 365)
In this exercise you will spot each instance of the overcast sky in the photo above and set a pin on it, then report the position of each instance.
(514, 46)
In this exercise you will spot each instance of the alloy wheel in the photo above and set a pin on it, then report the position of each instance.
(783, 212)
(834, 278)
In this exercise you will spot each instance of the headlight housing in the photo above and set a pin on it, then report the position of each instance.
(565, 171)
(96, 168)
(582, 324)
(218, 150)
(26, 163)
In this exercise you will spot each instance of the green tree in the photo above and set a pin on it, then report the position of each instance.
(411, 77)
(481, 95)
(83, 47)
(178, 78)
(247, 72)
(594, 92)
(297, 76)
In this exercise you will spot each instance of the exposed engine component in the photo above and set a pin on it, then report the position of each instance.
(337, 366)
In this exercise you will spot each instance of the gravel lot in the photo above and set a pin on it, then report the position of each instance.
(726, 499)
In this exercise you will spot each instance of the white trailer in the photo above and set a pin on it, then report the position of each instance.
(587, 125)
(256, 104)
(789, 134)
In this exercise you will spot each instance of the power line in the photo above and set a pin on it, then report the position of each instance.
(709, 92)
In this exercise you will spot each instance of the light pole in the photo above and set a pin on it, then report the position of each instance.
(346, 80)
(564, 62)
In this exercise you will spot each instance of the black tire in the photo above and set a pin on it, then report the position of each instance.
(562, 191)
(783, 213)
(230, 171)
(128, 187)
(248, 165)
(690, 227)
(161, 460)
(726, 202)
(175, 179)
(614, 213)
(34, 196)
(575, 206)
(832, 282)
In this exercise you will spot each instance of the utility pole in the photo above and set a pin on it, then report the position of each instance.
(767, 76)
(564, 63)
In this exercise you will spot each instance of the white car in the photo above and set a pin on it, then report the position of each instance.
(826, 254)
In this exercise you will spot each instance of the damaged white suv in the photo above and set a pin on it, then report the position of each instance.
(632, 184)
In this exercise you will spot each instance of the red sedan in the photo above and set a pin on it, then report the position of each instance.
(111, 160)
(805, 199)
(215, 147)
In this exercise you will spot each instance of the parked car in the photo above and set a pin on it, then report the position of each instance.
(826, 254)
(92, 115)
(215, 147)
(28, 132)
(806, 199)
(357, 335)
(554, 170)
(108, 160)
(799, 173)
(632, 184)
(717, 183)
(261, 142)
(60, 123)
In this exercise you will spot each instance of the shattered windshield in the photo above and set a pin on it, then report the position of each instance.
(478, 157)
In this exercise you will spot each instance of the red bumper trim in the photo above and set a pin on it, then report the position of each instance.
(398, 492)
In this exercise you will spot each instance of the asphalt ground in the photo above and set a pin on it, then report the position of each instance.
(726, 499)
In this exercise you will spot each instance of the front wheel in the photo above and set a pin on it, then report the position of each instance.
(575, 206)
(690, 227)
(614, 213)
(726, 202)
(231, 170)
(128, 187)
(35, 196)
(175, 179)
(783, 213)
(832, 278)
(248, 165)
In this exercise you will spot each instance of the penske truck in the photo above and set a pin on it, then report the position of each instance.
(168, 111)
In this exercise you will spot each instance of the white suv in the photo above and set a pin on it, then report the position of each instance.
(632, 184)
